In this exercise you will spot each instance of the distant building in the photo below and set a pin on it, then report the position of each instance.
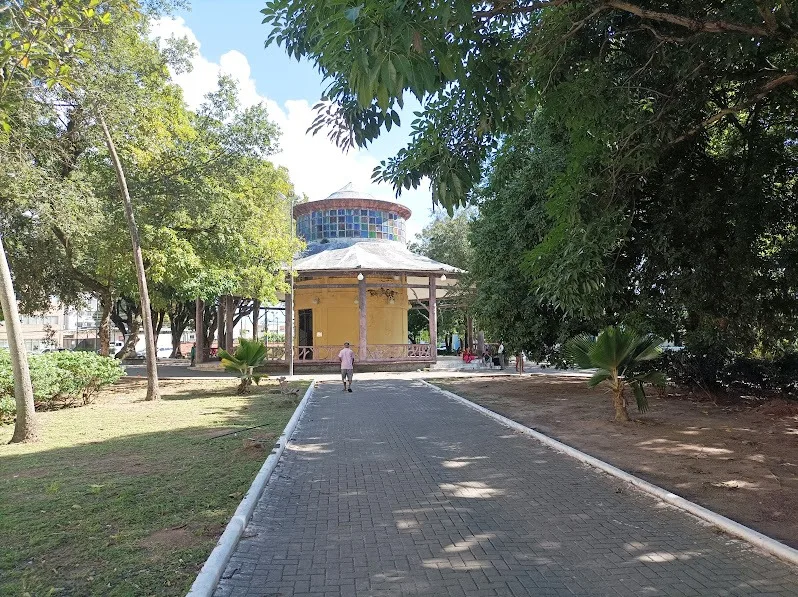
(39, 331)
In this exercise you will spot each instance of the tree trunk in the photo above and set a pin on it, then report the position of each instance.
(619, 400)
(180, 315)
(132, 337)
(220, 319)
(105, 324)
(242, 308)
(158, 317)
(149, 338)
(128, 326)
(199, 332)
(228, 323)
(26, 428)
(211, 320)
(255, 319)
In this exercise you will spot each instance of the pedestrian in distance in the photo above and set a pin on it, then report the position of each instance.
(500, 353)
(193, 353)
(519, 361)
(347, 358)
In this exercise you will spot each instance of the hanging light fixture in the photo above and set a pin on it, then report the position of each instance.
(360, 277)
(443, 278)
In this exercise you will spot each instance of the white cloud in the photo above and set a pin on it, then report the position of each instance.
(317, 167)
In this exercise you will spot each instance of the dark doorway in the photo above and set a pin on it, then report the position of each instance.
(305, 333)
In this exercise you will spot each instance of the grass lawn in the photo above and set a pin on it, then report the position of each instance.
(127, 497)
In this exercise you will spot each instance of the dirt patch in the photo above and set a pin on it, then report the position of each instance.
(738, 460)
(169, 539)
(256, 445)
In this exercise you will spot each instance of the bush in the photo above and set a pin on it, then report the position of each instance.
(734, 374)
(7, 410)
(60, 379)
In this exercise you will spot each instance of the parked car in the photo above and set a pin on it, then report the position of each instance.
(164, 352)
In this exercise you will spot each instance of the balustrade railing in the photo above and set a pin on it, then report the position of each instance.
(275, 353)
(398, 352)
(374, 353)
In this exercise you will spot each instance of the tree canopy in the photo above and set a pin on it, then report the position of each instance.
(212, 210)
(632, 162)
(480, 70)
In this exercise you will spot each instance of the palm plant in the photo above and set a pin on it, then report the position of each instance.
(249, 355)
(617, 354)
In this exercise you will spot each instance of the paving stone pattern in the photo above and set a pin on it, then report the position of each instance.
(396, 489)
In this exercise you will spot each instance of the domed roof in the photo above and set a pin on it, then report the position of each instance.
(350, 192)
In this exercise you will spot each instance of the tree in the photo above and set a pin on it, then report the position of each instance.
(445, 239)
(153, 393)
(617, 354)
(637, 103)
(39, 41)
(512, 218)
(471, 65)
(204, 194)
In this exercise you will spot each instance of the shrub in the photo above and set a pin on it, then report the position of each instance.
(60, 379)
(618, 354)
(249, 355)
(86, 373)
(736, 374)
(8, 409)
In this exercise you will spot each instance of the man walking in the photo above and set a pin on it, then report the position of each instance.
(347, 358)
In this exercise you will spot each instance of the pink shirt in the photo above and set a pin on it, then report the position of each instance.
(347, 358)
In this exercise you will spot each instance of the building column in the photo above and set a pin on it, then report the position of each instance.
(199, 332)
(289, 332)
(361, 308)
(229, 309)
(433, 318)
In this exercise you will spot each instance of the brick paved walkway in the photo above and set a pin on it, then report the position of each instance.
(397, 490)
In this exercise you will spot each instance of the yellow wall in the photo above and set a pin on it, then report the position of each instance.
(336, 315)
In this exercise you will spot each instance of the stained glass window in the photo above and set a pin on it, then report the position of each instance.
(351, 223)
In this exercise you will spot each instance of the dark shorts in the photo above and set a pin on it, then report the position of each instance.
(346, 374)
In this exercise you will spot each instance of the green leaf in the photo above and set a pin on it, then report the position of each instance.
(353, 13)
(598, 377)
(382, 98)
(640, 396)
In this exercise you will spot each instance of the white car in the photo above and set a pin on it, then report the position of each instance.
(164, 352)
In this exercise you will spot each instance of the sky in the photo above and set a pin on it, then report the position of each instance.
(230, 38)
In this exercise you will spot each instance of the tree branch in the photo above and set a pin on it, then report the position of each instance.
(785, 79)
(695, 25)
(686, 22)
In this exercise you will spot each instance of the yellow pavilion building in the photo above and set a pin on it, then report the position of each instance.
(357, 280)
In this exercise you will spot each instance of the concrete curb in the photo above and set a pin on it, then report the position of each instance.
(211, 572)
(756, 538)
